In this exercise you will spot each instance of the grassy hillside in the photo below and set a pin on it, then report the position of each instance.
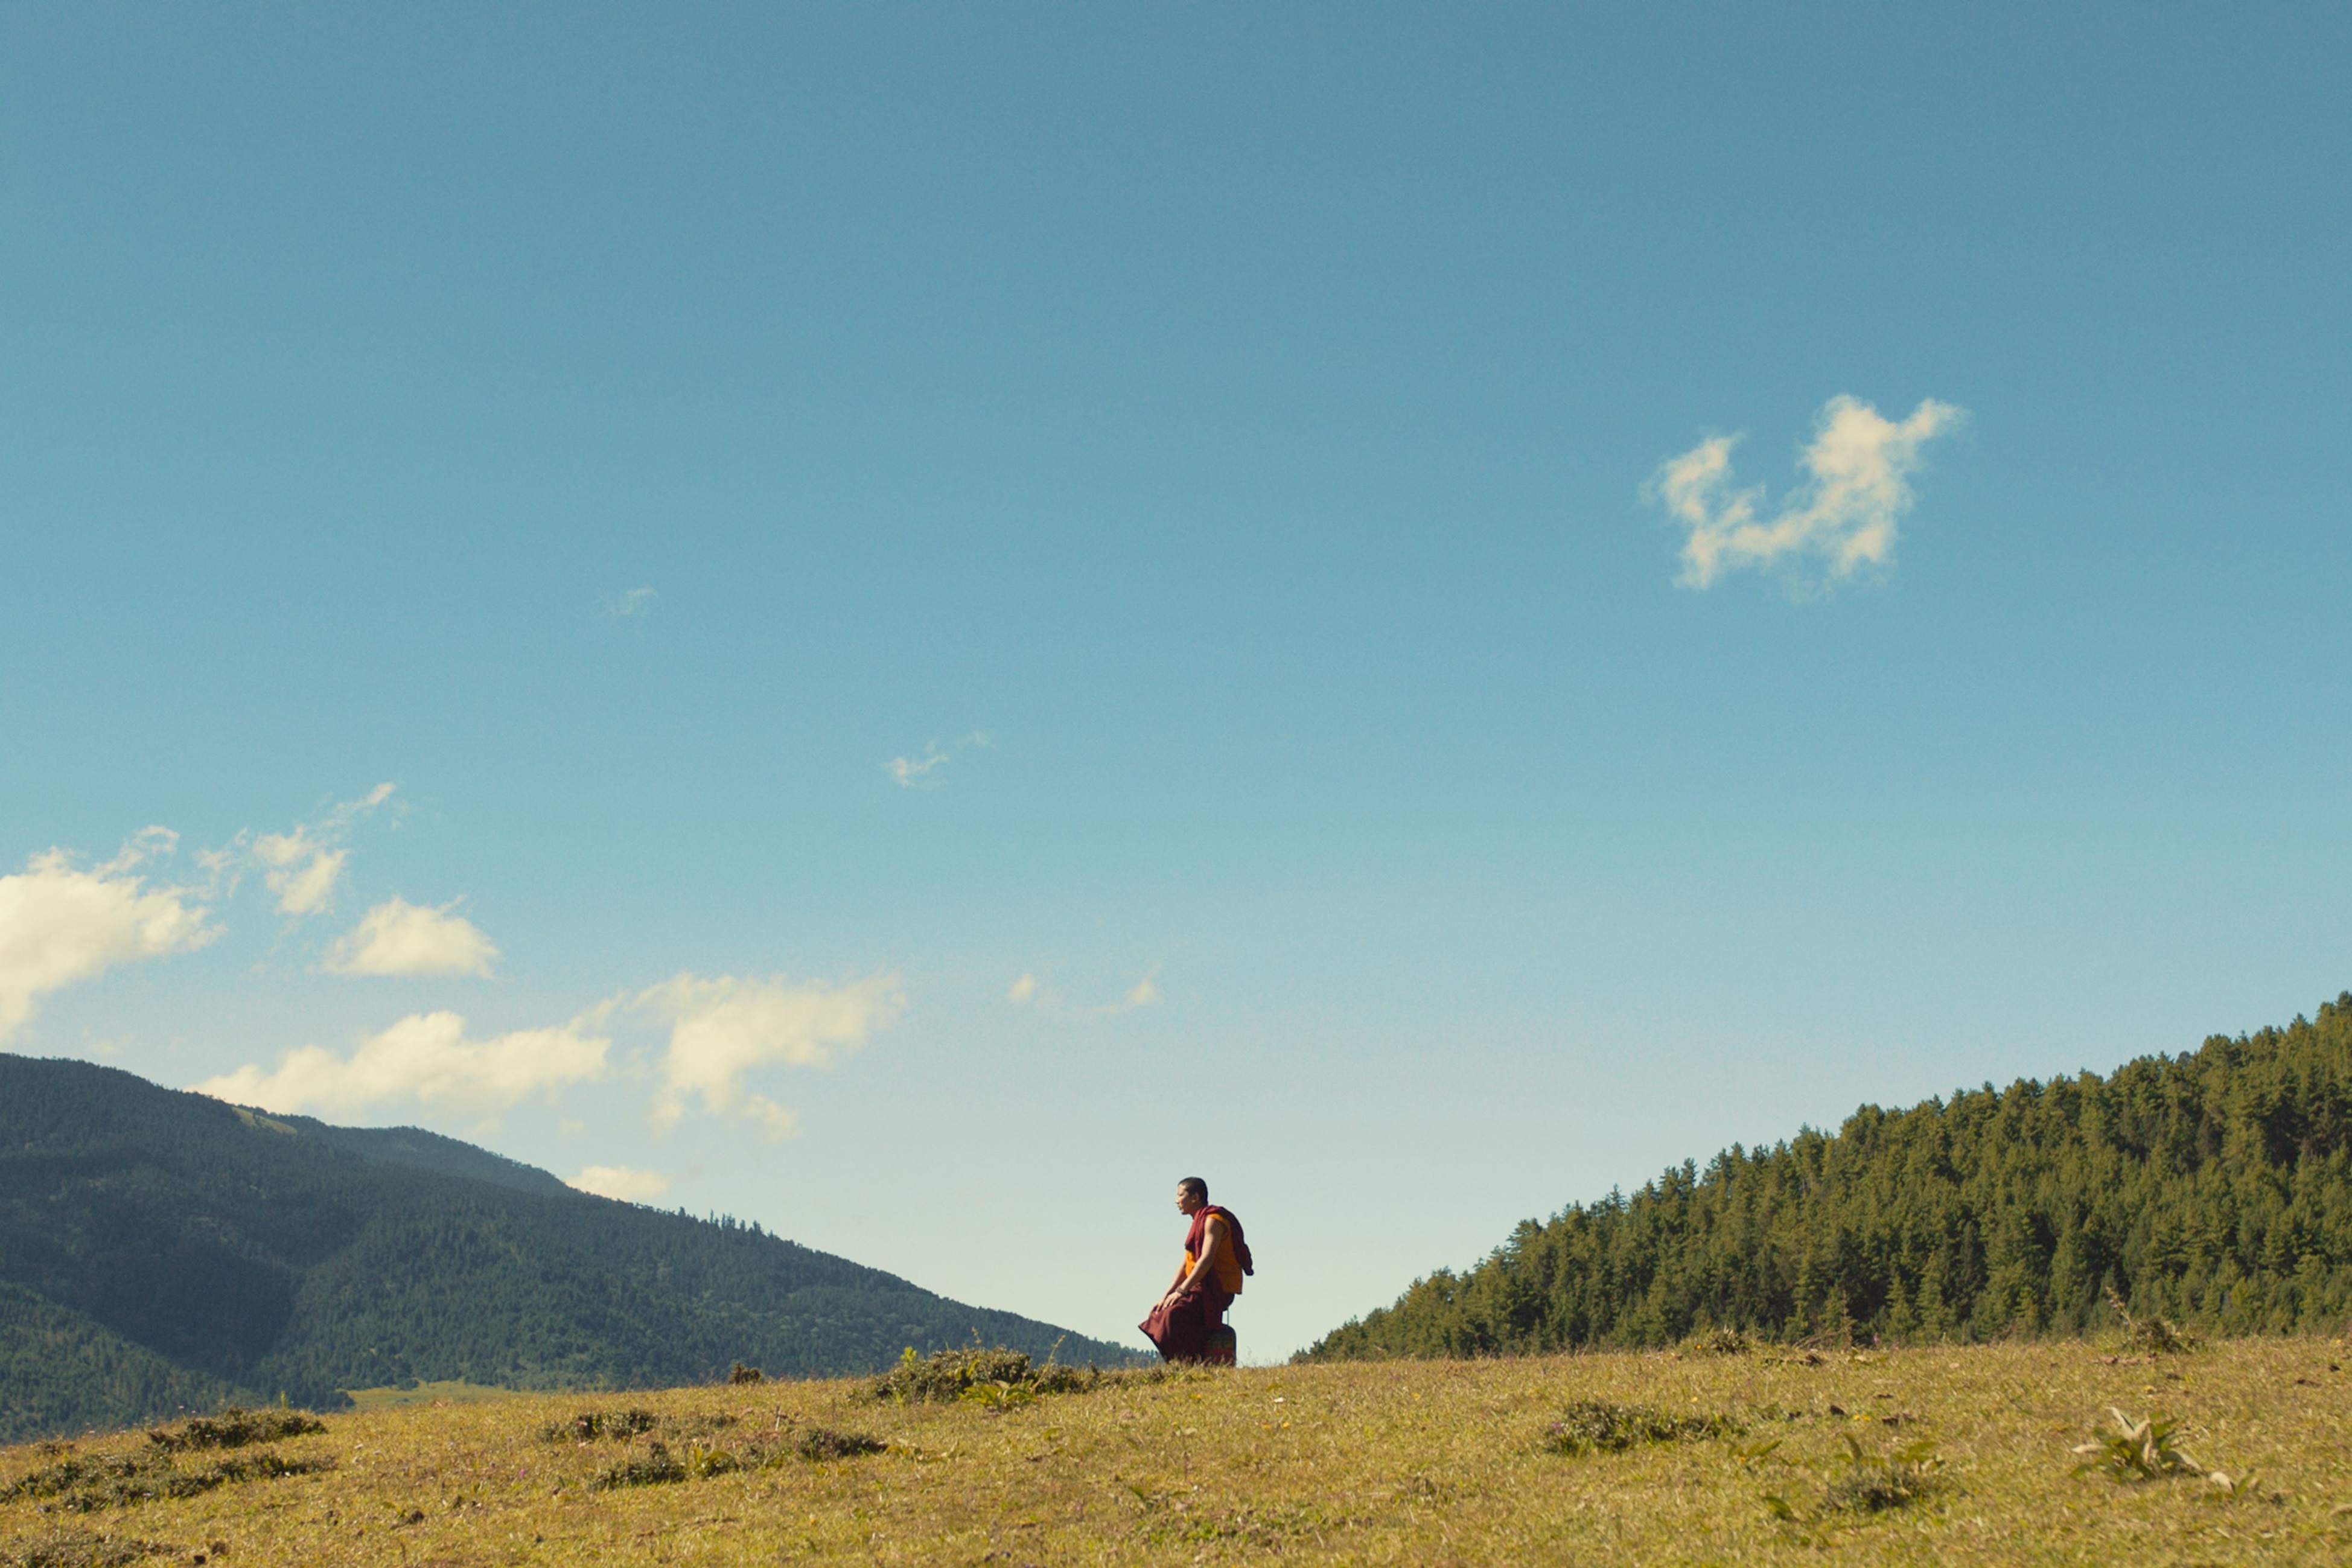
(160, 1249)
(1965, 1456)
(2214, 1188)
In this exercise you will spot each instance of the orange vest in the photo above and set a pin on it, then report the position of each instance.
(1228, 1274)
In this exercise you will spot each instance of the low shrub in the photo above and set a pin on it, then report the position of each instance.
(998, 1378)
(655, 1467)
(946, 1375)
(661, 1465)
(236, 1427)
(88, 1485)
(1598, 1426)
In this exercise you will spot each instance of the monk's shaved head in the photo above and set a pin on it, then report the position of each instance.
(1195, 1187)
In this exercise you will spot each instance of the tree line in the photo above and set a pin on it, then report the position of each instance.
(2213, 1188)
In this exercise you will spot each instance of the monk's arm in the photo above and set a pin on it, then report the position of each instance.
(1204, 1268)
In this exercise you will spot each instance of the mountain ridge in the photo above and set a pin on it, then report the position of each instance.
(426, 1150)
(160, 1249)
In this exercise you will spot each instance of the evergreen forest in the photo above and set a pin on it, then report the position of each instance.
(2213, 1188)
(162, 1250)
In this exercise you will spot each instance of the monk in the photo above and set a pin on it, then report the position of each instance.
(1189, 1322)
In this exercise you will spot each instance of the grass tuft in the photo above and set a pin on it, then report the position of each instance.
(236, 1427)
(655, 1467)
(2225, 1485)
(2137, 1451)
(1600, 1426)
(949, 1375)
(823, 1443)
(998, 1397)
(600, 1425)
(999, 1378)
(76, 1549)
(2151, 1336)
(1875, 1483)
(661, 1465)
(88, 1485)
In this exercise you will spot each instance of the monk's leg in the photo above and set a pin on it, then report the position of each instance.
(1188, 1328)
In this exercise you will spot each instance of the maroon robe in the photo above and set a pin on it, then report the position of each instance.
(1181, 1327)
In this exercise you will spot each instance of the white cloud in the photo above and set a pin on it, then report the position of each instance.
(1027, 992)
(60, 924)
(913, 773)
(304, 865)
(910, 771)
(723, 1028)
(302, 873)
(621, 1183)
(1844, 515)
(424, 1057)
(636, 604)
(397, 936)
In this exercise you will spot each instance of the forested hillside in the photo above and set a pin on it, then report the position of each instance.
(2214, 1188)
(160, 1249)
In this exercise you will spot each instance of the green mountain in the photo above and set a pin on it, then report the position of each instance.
(431, 1152)
(2213, 1188)
(160, 1250)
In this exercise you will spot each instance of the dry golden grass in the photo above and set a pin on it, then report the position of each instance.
(1421, 1462)
(456, 1391)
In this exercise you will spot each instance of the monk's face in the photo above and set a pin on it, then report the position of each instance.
(1187, 1204)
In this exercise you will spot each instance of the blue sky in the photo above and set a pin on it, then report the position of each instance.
(1222, 459)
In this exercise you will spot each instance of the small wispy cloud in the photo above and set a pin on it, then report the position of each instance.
(621, 1183)
(61, 923)
(1029, 992)
(397, 936)
(911, 772)
(301, 865)
(915, 773)
(425, 1057)
(1843, 519)
(635, 605)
